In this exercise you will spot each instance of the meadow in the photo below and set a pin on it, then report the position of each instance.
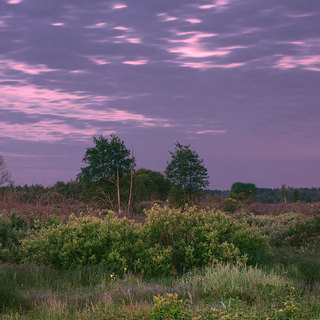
(63, 259)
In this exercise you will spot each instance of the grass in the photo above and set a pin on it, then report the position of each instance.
(223, 291)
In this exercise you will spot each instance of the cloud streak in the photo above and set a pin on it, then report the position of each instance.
(306, 62)
(38, 102)
(25, 68)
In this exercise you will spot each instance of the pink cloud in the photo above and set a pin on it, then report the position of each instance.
(306, 62)
(57, 24)
(128, 39)
(207, 6)
(165, 17)
(14, 1)
(136, 62)
(49, 131)
(193, 47)
(118, 6)
(208, 65)
(77, 71)
(122, 28)
(34, 101)
(128, 36)
(214, 131)
(134, 40)
(216, 4)
(98, 25)
(99, 60)
(193, 21)
(23, 67)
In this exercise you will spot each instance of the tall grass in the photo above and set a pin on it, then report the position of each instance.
(90, 293)
(223, 282)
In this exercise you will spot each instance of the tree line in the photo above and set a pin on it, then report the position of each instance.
(111, 179)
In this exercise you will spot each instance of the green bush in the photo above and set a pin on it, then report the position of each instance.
(170, 241)
(289, 229)
(169, 307)
(189, 238)
(110, 241)
(13, 228)
(230, 205)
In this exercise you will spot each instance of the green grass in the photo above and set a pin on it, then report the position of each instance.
(219, 292)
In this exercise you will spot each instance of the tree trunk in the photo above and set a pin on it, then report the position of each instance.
(118, 189)
(130, 194)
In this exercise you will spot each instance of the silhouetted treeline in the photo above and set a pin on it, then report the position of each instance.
(268, 195)
(148, 186)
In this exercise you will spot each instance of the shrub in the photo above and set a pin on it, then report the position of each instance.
(111, 241)
(169, 242)
(169, 307)
(13, 228)
(230, 205)
(289, 229)
(183, 239)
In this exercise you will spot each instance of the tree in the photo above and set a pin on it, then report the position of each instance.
(284, 193)
(243, 191)
(108, 159)
(150, 185)
(5, 175)
(187, 171)
(295, 195)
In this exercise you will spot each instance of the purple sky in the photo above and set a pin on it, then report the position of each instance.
(237, 79)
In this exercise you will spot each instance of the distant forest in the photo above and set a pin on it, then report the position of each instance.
(75, 189)
(268, 195)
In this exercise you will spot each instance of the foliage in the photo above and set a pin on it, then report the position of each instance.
(150, 185)
(230, 205)
(169, 241)
(284, 193)
(189, 238)
(243, 191)
(295, 195)
(169, 307)
(105, 159)
(13, 228)
(186, 170)
(289, 229)
(112, 242)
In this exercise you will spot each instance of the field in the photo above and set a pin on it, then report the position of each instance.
(169, 263)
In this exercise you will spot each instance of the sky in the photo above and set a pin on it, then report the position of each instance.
(238, 80)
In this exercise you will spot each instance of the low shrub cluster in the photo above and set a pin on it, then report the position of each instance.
(14, 228)
(170, 241)
(288, 230)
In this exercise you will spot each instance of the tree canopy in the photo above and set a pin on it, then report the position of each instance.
(105, 159)
(186, 170)
(243, 191)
